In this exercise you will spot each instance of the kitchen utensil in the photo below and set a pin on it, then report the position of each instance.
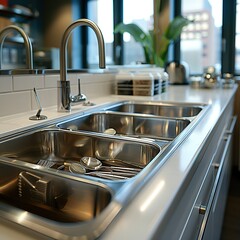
(91, 163)
(77, 168)
(117, 162)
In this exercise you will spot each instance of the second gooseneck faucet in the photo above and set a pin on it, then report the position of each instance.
(64, 93)
(28, 45)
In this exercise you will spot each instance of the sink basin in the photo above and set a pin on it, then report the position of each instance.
(128, 125)
(59, 203)
(62, 148)
(58, 207)
(175, 110)
(55, 198)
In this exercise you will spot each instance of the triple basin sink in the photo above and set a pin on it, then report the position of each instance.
(70, 179)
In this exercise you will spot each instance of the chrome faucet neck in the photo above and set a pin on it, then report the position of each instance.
(28, 45)
(66, 35)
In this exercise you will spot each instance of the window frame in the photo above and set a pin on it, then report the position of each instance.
(228, 37)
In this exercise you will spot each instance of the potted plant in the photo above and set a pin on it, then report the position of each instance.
(147, 39)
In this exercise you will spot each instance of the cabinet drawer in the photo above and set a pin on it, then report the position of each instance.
(212, 222)
(197, 217)
(194, 221)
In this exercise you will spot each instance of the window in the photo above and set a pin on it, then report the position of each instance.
(101, 12)
(141, 13)
(201, 40)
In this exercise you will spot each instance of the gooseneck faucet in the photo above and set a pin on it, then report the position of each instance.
(28, 45)
(64, 94)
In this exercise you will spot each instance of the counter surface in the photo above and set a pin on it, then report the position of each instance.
(139, 219)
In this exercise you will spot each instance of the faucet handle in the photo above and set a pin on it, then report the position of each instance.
(80, 97)
(79, 87)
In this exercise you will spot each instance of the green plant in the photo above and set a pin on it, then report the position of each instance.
(147, 39)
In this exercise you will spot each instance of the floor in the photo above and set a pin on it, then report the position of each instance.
(231, 224)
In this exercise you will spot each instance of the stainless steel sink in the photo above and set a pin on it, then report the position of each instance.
(62, 148)
(39, 190)
(136, 125)
(176, 110)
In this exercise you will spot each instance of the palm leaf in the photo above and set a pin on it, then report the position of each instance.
(139, 36)
(146, 40)
(163, 49)
(134, 30)
(175, 27)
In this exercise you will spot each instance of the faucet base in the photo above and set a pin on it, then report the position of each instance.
(63, 96)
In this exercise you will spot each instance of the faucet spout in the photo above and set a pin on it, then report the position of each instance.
(64, 94)
(66, 35)
(28, 45)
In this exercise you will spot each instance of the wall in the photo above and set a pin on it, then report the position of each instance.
(16, 92)
(57, 17)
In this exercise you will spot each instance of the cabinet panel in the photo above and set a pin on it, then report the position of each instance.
(216, 212)
(206, 218)
(196, 218)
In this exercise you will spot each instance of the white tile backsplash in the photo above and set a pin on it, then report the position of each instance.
(15, 102)
(73, 78)
(51, 80)
(17, 96)
(6, 84)
(27, 82)
(47, 98)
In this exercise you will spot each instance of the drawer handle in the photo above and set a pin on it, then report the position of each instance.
(202, 209)
(216, 165)
(232, 125)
